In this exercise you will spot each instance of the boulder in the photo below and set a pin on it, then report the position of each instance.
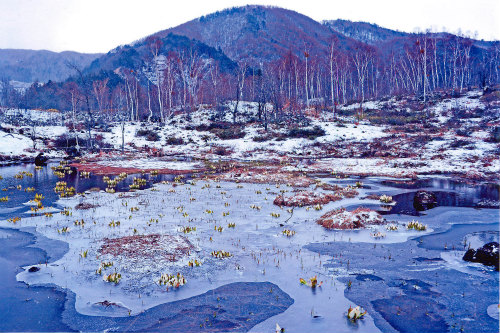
(487, 203)
(40, 159)
(33, 269)
(359, 218)
(486, 255)
(73, 151)
(424, 200)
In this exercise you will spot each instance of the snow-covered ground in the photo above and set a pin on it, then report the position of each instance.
(40, 116)
(150, 163)
(14, 144)
(348, 146)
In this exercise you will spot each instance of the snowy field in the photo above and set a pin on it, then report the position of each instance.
(347, 146)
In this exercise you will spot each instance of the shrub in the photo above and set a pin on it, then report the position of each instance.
(311, 134)
(459, 143)
(153, 137)
(231, 133)
(215, 125)
(395, 120)
(261, 138)
(462, 132)
(223, 130)
(172, 140)
(495, 135)
(142, 132)
(64, 141)
(221, 151)
(149, 134)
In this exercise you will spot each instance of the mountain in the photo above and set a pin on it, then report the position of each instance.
(42, 66)
(388, 41)
(363, 31)
(253, 34)
(133, 56)
(383, 38)
(260, 34)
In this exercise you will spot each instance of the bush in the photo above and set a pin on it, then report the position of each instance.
(459, 143)
(494, 135)
(395, 120)
(223, 130)
(65, 141)
(461, 113)
(421, 139)
(153, 137)
(142, 132)
(149, 134)
(261, 138)
(172, 140)
(231, 133)
(214, 125)
(221, 151)
(310, 134)
(462, 132)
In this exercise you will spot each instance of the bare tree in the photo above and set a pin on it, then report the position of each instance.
(190, 67)
(333, 43)
(100, 90)
(214, 71)
(240, 83)
(85, 90)
(72, 91)
(119, 97)
(306, 55)
(169, 81)
(361, 58)
(154, 45)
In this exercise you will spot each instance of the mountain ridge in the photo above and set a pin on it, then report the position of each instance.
(252, 34)
(27, 65)
(255, 33)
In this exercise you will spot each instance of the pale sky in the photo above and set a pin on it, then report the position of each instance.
(100, 25)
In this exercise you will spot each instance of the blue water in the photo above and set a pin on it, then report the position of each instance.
(44, 182)
(25, 308)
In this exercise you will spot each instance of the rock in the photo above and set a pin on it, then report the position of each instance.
(33, 269)
(107, 303)
(486, 203)
(486, 255)
(40, 160)
(342, 219)
(424, 200)
(73, 151)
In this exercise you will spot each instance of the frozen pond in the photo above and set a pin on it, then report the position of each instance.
(257, 285)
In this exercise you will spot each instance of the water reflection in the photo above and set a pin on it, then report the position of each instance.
(44, 182)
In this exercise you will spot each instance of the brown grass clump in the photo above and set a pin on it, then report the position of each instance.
(328, 187)
(306, 198)
(348, 192)
(147, 246)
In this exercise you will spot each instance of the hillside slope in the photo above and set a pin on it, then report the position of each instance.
(40, 65)
(134, 56)
(258, 34)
